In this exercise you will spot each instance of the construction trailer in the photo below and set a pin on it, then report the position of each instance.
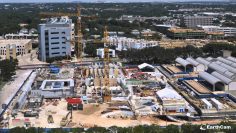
(217, 104)
(207, 104)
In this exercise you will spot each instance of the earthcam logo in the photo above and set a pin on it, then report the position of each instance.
(215, 127)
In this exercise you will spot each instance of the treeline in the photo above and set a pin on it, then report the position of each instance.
(10, 20)
(185, 128)
(160, 55)
(7, 69)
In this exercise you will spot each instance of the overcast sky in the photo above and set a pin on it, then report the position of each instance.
(26, 1)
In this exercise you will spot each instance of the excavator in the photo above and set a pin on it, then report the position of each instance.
(64, 121)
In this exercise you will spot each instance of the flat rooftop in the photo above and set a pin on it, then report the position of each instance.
(5, 42)
(174, 69)
(197, 86)
(57, 84)
(216, 33)
(177, 30)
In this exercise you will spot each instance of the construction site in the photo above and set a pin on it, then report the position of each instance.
(66, 97)
(109, 93)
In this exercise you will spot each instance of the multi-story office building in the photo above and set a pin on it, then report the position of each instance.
(228, 31)
(12, 48)
(194, 21)
(177, 33)
(54, 38)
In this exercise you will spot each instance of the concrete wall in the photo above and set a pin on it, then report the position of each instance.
(57, 93)
(232, 86)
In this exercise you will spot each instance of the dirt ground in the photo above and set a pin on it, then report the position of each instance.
(26, 59)
(91, 116)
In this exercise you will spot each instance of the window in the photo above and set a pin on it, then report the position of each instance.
(54, 32)
(55, 48)
(55, 38)
(55, 53)
(55, 43)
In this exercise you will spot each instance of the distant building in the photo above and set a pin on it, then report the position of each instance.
(24, 31)
(194, 21)
(13, 48)
(147, 33)
(228, 31)
(100, 53)
(21, 36)
(163, 28)
(124, 43)
(54, 39)
(135, 32)
(138, 18)
(178, 33)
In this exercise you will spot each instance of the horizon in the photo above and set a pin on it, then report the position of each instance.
(108, 1)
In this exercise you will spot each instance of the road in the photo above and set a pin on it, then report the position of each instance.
(11, 88)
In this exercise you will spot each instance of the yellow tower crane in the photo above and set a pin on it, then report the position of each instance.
(107, 91)
(79, 36)
(106, 95)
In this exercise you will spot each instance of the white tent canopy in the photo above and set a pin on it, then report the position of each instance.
(217, 67)
(144, 65)
(168, 93)
(203, 61)
(231, 59)
(212, 80)
(209, 78)
(224, 60)
(221, 77)
(192, 61)
(182, 62)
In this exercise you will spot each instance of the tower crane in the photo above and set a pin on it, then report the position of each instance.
(107, 91)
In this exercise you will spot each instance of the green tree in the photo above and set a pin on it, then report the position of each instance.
(8, 68)
(90, 49)
(172, 129)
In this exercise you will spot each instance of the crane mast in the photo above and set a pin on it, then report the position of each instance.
(107, 92)
(79, 36)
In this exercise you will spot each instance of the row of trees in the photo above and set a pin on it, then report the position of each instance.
(185, 128)
(160, 55)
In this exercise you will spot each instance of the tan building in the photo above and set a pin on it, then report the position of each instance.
(13, 48)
